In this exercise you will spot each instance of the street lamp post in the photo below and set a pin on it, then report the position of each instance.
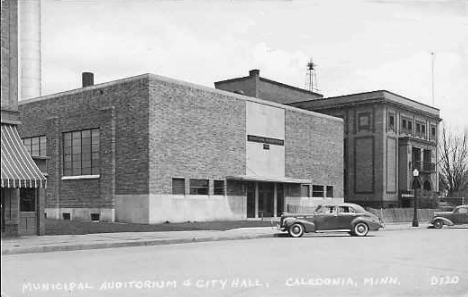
(415, 187)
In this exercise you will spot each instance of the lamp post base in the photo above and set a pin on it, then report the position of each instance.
(415, 223)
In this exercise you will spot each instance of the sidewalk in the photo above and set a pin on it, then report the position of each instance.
(53, 243)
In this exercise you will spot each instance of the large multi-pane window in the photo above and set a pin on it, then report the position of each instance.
(81, 152)
(36, 146)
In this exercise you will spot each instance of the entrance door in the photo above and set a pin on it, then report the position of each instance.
(250, 200)
(28, 218)
(266, 199)
(280, 199)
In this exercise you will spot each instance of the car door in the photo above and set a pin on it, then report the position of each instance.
(460, 215)
(346, 215)
(326, 218)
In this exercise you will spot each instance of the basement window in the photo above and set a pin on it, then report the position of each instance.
(178, 186)
(219, 187)
(199, 187)
(318, 191)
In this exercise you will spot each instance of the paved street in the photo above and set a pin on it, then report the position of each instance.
(423, 262)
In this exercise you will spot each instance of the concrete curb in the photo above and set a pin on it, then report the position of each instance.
(12, 250)
(105, 245)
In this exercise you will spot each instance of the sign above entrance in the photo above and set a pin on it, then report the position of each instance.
(265, 140)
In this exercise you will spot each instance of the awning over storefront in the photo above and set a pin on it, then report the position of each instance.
(18, 168)
(269, 179)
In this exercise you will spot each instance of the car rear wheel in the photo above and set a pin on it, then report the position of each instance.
(296, 230)
(361, 229)
(438, 224)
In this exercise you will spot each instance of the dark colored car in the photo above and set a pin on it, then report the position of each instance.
(345, 217)
(458, 216)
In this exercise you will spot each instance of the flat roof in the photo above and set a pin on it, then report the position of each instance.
(151, 76)
(268, 81)
(378, 95)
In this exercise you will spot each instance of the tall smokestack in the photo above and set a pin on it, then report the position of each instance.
(87, 79)
(29, 48)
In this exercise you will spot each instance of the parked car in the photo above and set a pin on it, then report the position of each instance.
(458, 216)
(345, 217)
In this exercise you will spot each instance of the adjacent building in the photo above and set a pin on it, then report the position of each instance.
(150, 149)
(22, 182)
(386, 137)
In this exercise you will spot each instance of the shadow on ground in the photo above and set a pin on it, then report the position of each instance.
(76, 227)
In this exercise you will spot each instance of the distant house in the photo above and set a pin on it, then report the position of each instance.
(150, 149)
(386, 136)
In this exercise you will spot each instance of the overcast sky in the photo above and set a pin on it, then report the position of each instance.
(358, 45)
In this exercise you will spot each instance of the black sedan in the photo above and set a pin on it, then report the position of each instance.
(345, 217)
(458, 216)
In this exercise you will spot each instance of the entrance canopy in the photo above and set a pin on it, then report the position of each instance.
(18, 168)
(285, 180)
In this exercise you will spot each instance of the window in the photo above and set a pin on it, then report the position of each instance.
(178, 186)
(28, 199)
(406, 125)
(327, 209)
(346, 209)
(391, 121)
(318, 191)
(329, 191)
(418, 128)
(423, 129)
(305, 189)
(218, 187)
(433, 132)
(364, 121)
(36, 146)
(81, 153)
(462, 210)
(199, 187)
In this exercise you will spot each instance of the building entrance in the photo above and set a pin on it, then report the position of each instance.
(28, 216)
(264, 199)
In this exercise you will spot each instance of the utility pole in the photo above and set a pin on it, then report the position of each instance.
(432, 64)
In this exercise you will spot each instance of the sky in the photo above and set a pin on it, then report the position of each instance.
(357, 45)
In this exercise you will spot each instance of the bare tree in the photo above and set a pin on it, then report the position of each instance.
(453, 166)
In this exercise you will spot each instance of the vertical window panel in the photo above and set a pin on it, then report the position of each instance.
(81, 152)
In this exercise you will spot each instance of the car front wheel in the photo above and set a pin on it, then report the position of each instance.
(296, 230)
(361, 229)
(438, 224)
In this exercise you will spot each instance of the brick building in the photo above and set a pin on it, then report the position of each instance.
(256, 86)
(150, 149)
(386, 136)
(23, 183)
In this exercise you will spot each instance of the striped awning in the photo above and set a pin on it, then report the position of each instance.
(18, 167)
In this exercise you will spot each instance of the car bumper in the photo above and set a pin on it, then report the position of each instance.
(280, 228)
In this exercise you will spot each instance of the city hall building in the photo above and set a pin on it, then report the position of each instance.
(150, 149)
(386, 137)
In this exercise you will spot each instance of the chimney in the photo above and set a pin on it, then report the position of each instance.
(254, 73)
(87, 79)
